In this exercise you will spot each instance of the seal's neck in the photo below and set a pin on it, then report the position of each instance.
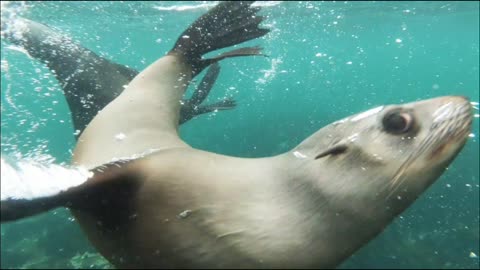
(320, 221)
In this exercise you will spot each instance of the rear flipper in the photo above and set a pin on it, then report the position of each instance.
(203, 89)
(194, 111)
(192, 107)
(225, 104)
(227, 24)
(24, 193)
(87, 77)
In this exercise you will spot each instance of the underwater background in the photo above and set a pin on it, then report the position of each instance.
(326, 61)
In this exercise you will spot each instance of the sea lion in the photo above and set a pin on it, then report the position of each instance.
(90, 81)
(310, 207)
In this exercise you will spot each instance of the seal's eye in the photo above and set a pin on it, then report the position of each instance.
(397, 122)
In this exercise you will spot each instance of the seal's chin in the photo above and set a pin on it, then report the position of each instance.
(447, 151)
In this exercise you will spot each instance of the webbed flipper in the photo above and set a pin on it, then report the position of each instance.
(88, 80)
(193, 107)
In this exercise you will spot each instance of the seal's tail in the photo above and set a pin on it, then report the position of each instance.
(229, 23)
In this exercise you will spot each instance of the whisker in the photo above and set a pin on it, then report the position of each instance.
(397, 179)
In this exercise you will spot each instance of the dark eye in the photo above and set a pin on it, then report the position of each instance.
(397, 122)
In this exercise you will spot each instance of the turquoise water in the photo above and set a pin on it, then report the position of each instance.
(326, 61)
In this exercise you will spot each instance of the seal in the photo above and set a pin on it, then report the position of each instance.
(311, 207)
(180, 207)
(89, 81)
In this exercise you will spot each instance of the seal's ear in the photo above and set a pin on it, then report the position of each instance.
(25, 197)
(335, 149)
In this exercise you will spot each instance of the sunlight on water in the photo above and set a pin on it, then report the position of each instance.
(13, 7)
(269, 75)
(204, 5)
(208, 4)
(10, 10)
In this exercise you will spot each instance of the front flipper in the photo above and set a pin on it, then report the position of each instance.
(193, 107)
(89, 81)
(25, 193)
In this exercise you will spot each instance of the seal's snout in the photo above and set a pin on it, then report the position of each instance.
(451, 123)
(454, 114)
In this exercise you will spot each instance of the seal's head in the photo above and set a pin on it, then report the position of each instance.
(378, 162)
